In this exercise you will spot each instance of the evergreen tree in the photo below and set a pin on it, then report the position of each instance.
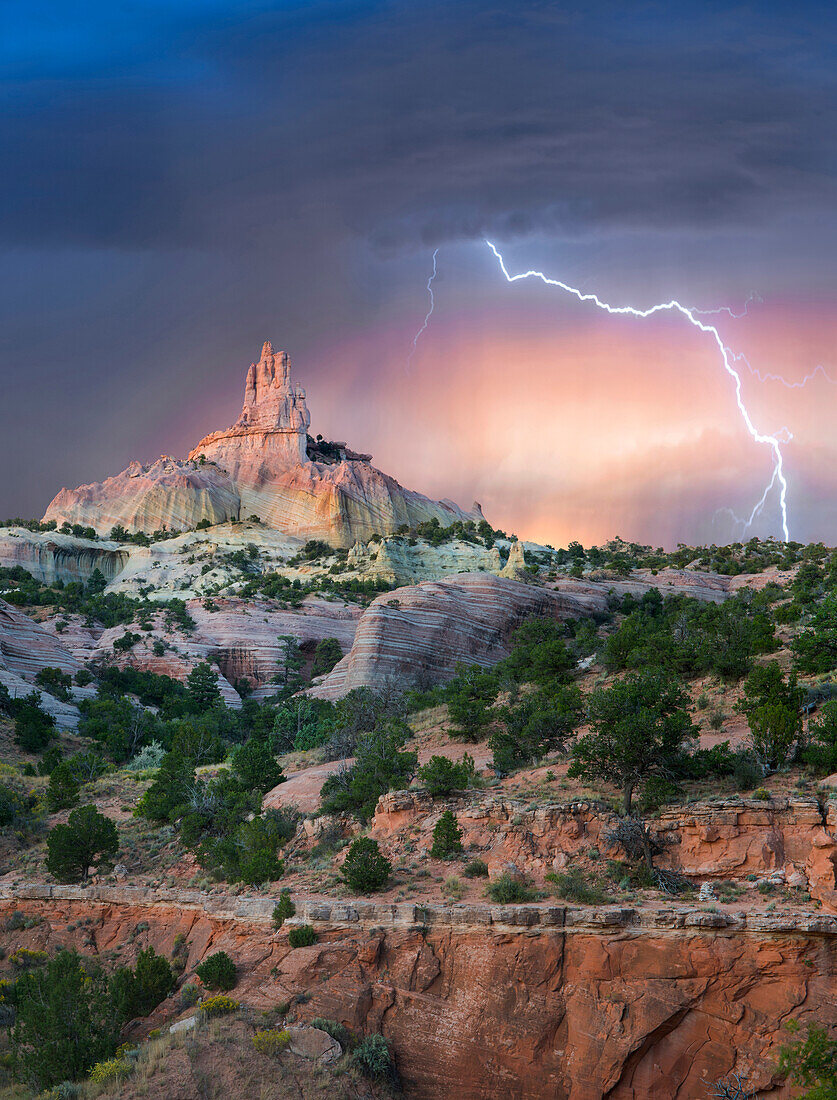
(63, 789)
(202, 686)
(255, 766)
(447, 837)
(64, 1021)
(365, 869)
(88, 840)
(638, 726)
(138, 992)
(33, 726)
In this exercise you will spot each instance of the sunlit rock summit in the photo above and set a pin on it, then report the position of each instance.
(266, 465)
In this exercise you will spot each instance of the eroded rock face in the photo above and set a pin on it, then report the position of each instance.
(242, 638)
(784, 841)
(25, 648)
(259, 466)
(167, 493)
(51, 556)
(560, 1008)
(417, 634)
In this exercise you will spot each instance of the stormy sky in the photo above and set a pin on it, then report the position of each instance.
(181, 180)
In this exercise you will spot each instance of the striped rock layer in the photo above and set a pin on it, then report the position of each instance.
(416, 635)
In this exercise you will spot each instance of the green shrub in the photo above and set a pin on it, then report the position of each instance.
(149, 758)
(283, 909)
(333, 1028)
(189, 996)
(573, 885)
(217, 971)
(365, 869)
(476, 868)
(302, 935)
(447, 838)
(811, 1062)
(441, 775)
(506, 889)
(373, 1058)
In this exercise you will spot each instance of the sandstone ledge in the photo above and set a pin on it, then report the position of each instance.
(363, 913)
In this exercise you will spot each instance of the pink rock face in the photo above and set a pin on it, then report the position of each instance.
(417, 634)
(243, 639)
(259, 466)
(168, 493)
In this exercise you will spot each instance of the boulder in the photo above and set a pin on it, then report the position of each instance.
(314, 1044)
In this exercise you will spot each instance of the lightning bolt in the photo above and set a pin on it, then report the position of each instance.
(746, 524)
(726, 309)
(728, 359)
(429, 312)
(818, 369)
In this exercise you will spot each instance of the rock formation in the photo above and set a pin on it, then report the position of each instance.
(242, 639)
(417, 634)
(260, 466)
(486, 1002)
(51, 556)
(25, 648)
(167, 493)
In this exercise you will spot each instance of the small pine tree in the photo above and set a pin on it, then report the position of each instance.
(364, 868)
(283, 909)
(202, 685)
(217, 972)
(63, 789)
(256, 767)
(447, 837)
(326, 656)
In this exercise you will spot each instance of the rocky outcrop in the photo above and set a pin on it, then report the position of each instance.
(417, 634)
(260, 466)
(167, 493)
(784, 841)
(52, 557)
(265, 452)
(400, 560)
(516, 564)
(243, 639)
(25, 648)
(540, 1002)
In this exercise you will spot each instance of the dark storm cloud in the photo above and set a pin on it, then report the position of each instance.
(220, 124)
(182, 179)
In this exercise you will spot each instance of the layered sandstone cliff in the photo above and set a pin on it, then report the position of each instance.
(51, 556)
(25, 649)
(417, 634)
(260, 466)
(537, 1002)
